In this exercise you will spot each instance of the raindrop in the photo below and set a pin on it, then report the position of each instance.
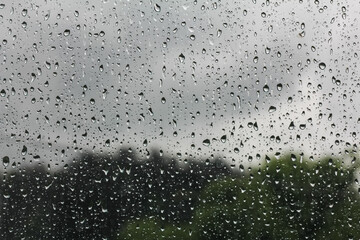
(266, 88)
(322, 66)
(6, 161)
(24, 150)
(181, 58)
(267, 50)
(272, 109)
(66, 32)
(24, 12)
(206, 142)
(157, 8)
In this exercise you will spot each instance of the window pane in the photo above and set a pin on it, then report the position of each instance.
(179, 120)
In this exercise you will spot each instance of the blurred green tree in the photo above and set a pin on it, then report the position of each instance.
(286, 198)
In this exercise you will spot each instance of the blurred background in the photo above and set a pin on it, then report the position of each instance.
(102, 101)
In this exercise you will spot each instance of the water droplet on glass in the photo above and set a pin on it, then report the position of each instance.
(66, 32)
(157, 8)
(6, 161)
(24, 150)
(267, 50)
(24, 12)
(272, 109)
(266, 88)
(181, 58)
(206, 142)
(322, 66)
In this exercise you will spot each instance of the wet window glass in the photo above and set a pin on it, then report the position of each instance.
(162, 119)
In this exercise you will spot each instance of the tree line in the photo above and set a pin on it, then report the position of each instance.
(126, 197)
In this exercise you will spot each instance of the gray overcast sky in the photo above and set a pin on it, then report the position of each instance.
(79, 75)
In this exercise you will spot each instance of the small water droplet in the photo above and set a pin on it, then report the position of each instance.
(181, 58)
(267, 50)
(157, 8)
(206, 142)
(322, 66)
(266, 88)
(272, 109)
(24, 150)
(6, 161)
(24, 12)
(66, 32)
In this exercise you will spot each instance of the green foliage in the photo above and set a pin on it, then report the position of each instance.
(289, 198)
(151, 229)
(123, 197)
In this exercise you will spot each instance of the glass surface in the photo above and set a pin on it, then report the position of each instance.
(179, 119)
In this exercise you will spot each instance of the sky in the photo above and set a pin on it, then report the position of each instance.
(195, 79)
